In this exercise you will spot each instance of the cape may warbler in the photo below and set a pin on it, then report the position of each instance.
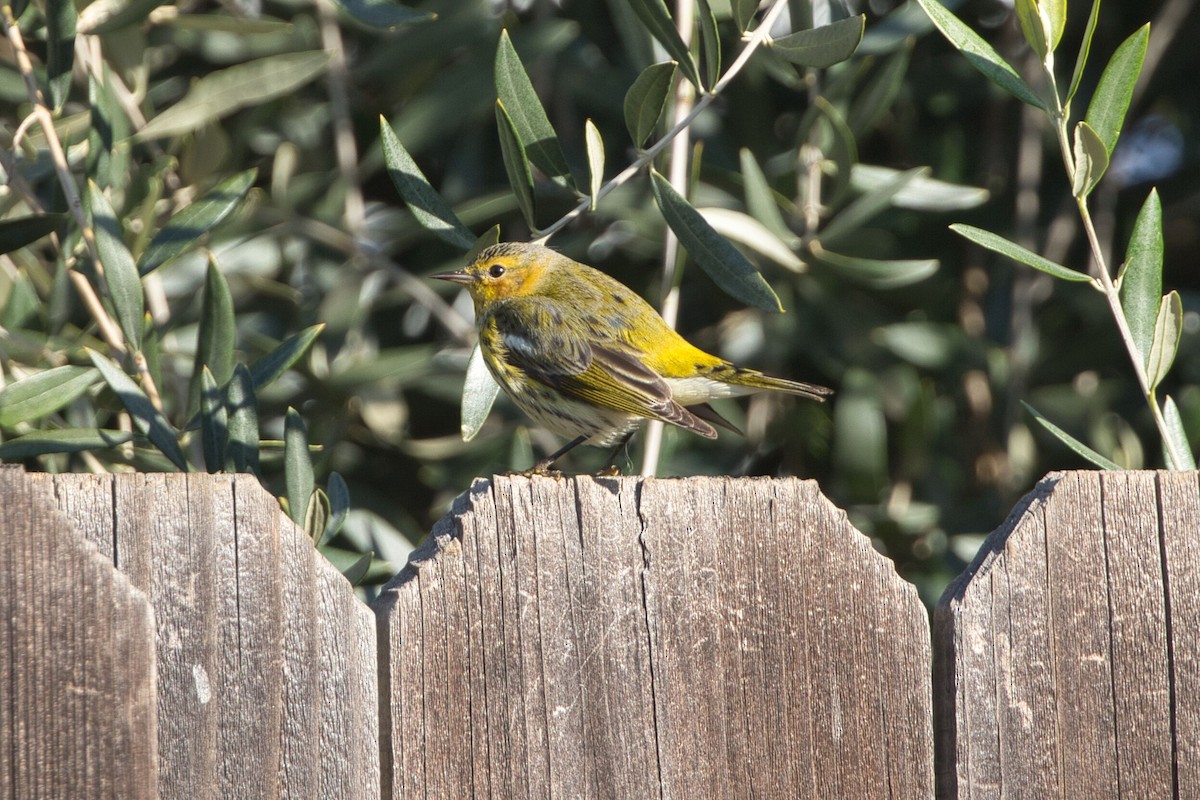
(586, 357)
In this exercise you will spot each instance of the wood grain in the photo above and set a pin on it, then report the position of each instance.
(614, 637)
(1067, 654)
(77, 670)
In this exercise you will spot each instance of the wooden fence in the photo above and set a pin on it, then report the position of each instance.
(595, 637)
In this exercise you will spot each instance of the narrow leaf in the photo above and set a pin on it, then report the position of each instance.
(761, 200)
(489, 237)
(298, 470)
(42, 394)
(1178, 437)
(214, 422)
(822, 47)
(62, 440)
(595, 156)
(120, 273)
(838, 145)
(1091, 160)
(1106, 111)
(427, 206)
(316, 516)
(710, 43)
(384, 15)
(1014, 251)
(1084, 48)
(743, 13)
(922, 193)
(186, 227)
(878, 273)
(516, 164)
(99, 18)
(656, 18)
(1033, 27)
(1141, 283)
(1167, 330)
(221, 93)
(749, 232)
(1070, 441)
(981, 54)
(646, 100)
(358, 570)
(852, 218)
(1054, 16)
(60, 50)
(21, 231)
(147, 418)
(217, 336)
(515, 91)
(728, 268)
(479, 393)
(869, 105)
(241, 408)
(267, 369)
(339, 503)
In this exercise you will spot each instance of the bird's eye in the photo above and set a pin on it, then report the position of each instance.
(496, 271)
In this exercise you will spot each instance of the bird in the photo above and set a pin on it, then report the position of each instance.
(584, 356)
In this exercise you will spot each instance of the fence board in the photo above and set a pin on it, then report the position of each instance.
(266, 659)
(77, 672)
(627, 638)
(1062, 652)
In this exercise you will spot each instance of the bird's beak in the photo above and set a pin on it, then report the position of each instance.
(457, 276)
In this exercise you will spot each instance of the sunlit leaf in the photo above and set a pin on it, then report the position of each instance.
(999, 244)
(516, 164)
(822, 47)
(298, 470)
(595, 157)
(21, 231)
(981, 54)
(1033, 26)
(479, 393)
(1178, 437)
(852, 218)
(1091, 160)
(1070, 441)
(316, 517)
(1141, 282)
(186, 227)
(241, 408)
(383, 14)
(728, 268)
(148, 419)
(749, 232)
(760, 197)
(646, 99)
(880, 273)
(268, 368)
(217, 336)
(1084, 49)
(922, 193)
(533, 129)
(658, 22)
(98, 18)
(120, 273)
(1167, 330)
(63, 440)
(1106, 111)
(427, 206)
(225, 91)
(39, 395)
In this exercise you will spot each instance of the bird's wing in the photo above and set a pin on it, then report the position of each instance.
(540, 340)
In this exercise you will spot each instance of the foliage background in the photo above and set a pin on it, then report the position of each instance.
(926, 444)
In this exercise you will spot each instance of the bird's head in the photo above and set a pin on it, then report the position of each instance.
(509, 269)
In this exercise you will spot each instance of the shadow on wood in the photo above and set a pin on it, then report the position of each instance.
(77, 678)
(1068, 656)
(626, 638)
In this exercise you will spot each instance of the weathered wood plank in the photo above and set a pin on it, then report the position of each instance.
(77, 676)
(627, 638)
(1061, 652)
(266, 659)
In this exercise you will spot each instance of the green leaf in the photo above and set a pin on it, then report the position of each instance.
(1141, 283)
(21, 231)
(316, 517)
(870, 104)
(922, 193)
(358, 570)
(515, 91)
(981, 54)
(646, 100)
(62, 440)
(479, 393)
(710, 43)
(39, 395)
(1106, 111)
(427, 206)
(879, 273)
(516, 164)
(850, 220)
(103, 18)
(298, 470)
(490, 237)
(822, 47)
(214, 422)
(217, 335)
(148, 419)
(1070, 441)
(743, 13)
(1091, 160)
(384, 15)
(1033, 26)
(221, 93)
(1167, 330)
(761, 200)
(1084, 48)
(339, 503)
(728, 268)
(1178, 437)
(186, 227)
(60, 50)
(657, 20)
(838, 146)
(749, 232)
(1054, 13)
(595, 157)
(1014, 251)
(241, 408)
(267, 369)
(120, 273)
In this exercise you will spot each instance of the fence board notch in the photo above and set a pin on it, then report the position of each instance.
(1068, 654)
(266, 660)
(619, 637)
(77, 670)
